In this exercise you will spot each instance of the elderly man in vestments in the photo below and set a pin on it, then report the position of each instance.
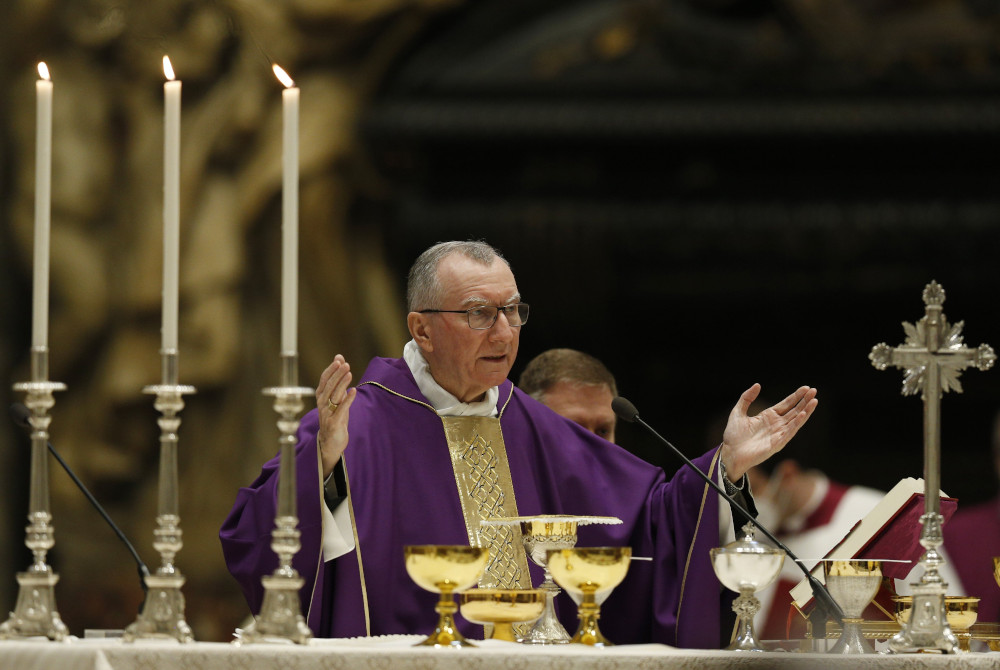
(428, 445)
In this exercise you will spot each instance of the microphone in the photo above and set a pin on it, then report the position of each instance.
(21, 415)
(626, 411)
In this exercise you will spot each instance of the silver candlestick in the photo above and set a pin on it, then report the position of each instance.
(162, 613)
(35, 614)
(933, 358)
(280, 617)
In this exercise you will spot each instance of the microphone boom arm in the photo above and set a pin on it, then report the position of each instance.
(626, 411)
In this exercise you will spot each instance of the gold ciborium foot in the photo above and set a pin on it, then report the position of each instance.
(444, 569)
(583, 571)
(589, 633)
(445, 633)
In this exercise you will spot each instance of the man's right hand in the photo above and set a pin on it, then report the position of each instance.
(333, 400)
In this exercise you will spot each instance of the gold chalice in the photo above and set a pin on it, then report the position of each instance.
(746, 566)
(996, 569)
(502, 608)
(584, 571)
(853, 584)
(445, 569)
(960, 611)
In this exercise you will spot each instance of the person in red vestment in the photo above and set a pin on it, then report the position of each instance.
(972, 540)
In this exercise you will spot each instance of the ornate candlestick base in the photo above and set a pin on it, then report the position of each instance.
(280, 618)
(928, 625)
(280, 615)
(162, 614)
(35, 614)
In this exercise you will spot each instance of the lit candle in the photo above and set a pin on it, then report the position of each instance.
(289, 214)
(43, 204)
(171, 203)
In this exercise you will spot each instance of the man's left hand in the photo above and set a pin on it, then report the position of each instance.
(750, 440)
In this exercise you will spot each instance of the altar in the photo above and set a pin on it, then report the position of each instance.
(397, 653)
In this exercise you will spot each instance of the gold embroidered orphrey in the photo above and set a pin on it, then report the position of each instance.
(486, 491)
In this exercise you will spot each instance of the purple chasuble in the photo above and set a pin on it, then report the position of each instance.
(403, 491)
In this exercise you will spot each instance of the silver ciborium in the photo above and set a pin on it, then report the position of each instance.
(746, 566)
(853, 584)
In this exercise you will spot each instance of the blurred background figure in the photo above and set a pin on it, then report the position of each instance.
(574, 385)
(809, 513)
(972, 539)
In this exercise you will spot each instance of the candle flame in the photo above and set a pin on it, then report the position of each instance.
(283, 77)
(168, 69)
(43, 71)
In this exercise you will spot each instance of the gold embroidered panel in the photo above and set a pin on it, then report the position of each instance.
(485, 490)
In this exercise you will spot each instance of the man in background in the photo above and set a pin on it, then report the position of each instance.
(574, 385)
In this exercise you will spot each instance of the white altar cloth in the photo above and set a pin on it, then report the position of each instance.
(397, 653)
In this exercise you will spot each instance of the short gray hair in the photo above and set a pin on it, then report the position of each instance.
(423, 290)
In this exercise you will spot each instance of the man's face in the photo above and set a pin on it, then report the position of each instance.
(585, 404)
(464, 361)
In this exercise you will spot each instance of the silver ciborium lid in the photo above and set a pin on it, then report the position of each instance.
(746, 566)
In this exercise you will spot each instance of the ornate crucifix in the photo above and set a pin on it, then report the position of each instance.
(933, 358)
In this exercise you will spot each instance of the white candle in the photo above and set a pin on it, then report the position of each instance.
(43, 204)
(171, 204)
(289, 214)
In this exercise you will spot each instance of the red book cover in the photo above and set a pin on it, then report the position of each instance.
(889, 532)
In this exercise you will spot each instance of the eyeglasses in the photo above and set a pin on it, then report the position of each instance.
(484, 316)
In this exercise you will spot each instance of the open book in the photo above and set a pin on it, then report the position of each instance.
(890, 531)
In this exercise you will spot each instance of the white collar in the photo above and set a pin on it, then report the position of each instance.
(444, 403)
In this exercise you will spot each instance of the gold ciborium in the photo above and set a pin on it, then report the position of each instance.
(445, 569)
(502, 608)
(960, 611)
(853, 584)
(584, 571)
(746, 566)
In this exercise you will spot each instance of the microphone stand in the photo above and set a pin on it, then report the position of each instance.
(140, 566)
(19, 413)
(827, 606)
